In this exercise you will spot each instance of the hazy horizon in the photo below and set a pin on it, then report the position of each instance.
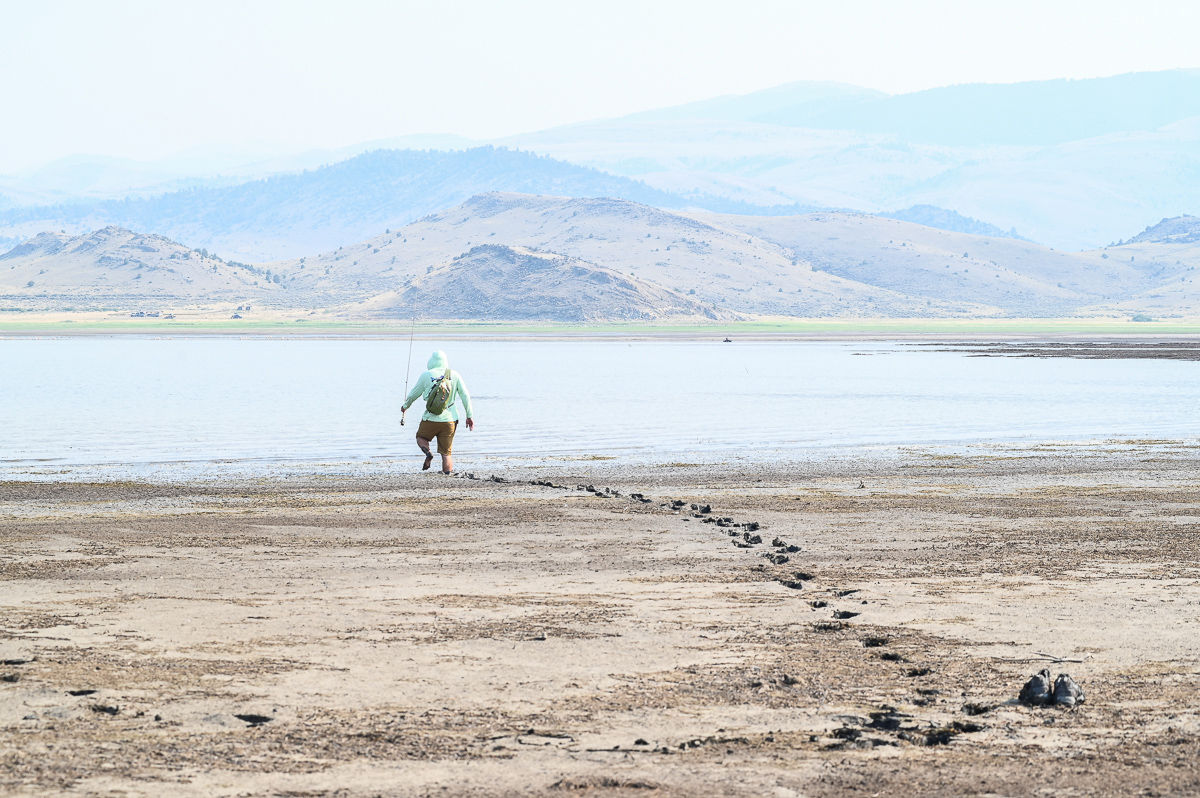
(145, 81)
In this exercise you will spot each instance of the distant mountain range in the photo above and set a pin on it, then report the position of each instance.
(288, 215)
(1031, 113)
(1073, 164)
(506, 256)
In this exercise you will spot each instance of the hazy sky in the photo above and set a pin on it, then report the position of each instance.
(144, 79)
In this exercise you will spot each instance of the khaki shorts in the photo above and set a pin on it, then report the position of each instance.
(442, 430)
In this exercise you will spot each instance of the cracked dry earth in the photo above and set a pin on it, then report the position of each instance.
(431, 636)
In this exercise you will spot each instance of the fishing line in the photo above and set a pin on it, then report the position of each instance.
(408, 368)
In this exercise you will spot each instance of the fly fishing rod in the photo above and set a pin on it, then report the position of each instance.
(408, 368)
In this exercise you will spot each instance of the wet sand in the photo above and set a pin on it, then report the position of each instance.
(421, 635)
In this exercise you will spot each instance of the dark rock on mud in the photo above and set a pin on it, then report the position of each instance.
(887, 720)
(255, 720)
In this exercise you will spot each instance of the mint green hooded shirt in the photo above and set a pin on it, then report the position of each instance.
(437, 366)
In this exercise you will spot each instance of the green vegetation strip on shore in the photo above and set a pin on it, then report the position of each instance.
(884, 327)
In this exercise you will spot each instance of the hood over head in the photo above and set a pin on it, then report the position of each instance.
(438, 360)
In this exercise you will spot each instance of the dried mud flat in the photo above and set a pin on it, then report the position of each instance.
(431, 636)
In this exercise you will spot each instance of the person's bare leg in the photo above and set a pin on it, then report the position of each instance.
(447, 463)
(424, 444)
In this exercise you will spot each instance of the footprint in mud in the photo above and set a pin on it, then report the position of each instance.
(82, 692)
(797, 581)
(927, 696)
(828, 626)
(845, 615)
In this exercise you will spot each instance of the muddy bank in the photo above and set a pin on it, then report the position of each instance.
(828, 629)
(1083, 350)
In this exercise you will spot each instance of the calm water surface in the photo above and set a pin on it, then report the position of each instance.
(95, 401)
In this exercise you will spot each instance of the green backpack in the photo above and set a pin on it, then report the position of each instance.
(439, 394)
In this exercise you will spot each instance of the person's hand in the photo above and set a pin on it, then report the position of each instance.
(470, 423)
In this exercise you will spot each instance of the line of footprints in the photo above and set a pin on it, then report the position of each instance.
(744, 535)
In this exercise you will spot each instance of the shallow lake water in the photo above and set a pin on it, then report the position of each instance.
(184, 402)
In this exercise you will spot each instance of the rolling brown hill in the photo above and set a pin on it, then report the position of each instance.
(1019, 277)
(496, 282)
(659, 264)
(114, 267)
(716, 265)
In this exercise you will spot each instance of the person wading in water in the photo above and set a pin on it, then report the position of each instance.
(442, 390)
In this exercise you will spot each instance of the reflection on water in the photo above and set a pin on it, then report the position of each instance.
(87, 401)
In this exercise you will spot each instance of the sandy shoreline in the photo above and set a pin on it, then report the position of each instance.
(416, 635)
